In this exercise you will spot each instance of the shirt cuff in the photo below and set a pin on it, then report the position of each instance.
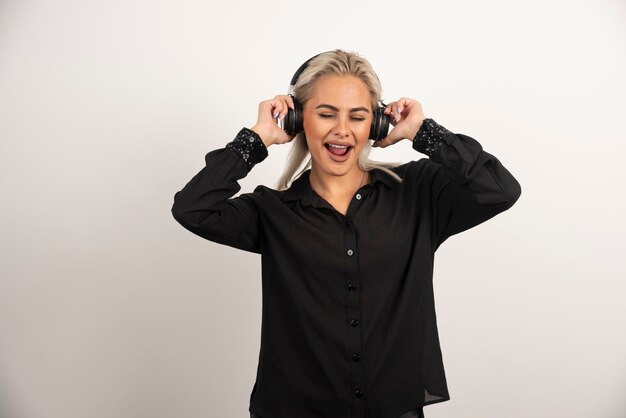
(249, 146)
(429, 137)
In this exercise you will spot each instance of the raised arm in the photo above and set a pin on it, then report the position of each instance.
(205, 205)
(467, 185)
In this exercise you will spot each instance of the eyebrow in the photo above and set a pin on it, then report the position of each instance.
(331, 107)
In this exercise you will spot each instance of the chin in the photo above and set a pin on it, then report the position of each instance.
(340, 168)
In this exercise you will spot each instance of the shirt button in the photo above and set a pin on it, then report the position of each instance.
(351, 287)
(358, 393)
(350, 252)
(358, 196)
(356, 357)
(354, 322)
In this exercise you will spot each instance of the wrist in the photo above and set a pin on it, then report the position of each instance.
(262, 134)
(413, 134)
(249, 147)
(430, 137)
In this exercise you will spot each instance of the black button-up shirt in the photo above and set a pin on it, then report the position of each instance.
(348, 315)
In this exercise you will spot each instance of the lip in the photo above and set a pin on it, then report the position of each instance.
(337, 158)
(339, 143)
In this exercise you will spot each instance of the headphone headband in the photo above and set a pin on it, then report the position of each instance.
(300, 70)
(294, 79)
(293, 119)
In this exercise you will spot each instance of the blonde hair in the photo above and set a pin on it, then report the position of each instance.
(335, 62)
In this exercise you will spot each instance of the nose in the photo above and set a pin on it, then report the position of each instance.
(341, 127)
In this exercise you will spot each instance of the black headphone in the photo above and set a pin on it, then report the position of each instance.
(293, 119)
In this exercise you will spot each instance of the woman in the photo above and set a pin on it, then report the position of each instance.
(347, 250)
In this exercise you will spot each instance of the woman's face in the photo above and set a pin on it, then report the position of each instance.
(340, 113)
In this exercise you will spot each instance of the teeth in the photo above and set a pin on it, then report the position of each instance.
(338, 146)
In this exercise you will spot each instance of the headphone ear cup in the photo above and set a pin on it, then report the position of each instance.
(380, 124)
(293, 119)
(374, 127)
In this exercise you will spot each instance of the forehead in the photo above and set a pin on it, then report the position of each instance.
(341, 89)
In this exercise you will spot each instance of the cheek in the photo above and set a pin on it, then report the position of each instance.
(364, 129)
(361, 147)
(364, 133)
(313, 142)
(313, 132)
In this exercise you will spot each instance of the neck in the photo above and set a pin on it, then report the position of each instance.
(337, 186)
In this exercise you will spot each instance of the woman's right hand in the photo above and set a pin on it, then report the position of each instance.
(266, 126)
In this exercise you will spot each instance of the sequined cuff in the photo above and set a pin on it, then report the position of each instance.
(249, 146)
(429, 137)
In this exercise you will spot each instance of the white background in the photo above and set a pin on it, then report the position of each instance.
(109, 308)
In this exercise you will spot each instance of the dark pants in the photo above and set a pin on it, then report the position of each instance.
(418, 413)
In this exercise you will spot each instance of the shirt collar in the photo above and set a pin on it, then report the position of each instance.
(301, 189)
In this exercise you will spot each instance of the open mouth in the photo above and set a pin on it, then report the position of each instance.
(338, 150)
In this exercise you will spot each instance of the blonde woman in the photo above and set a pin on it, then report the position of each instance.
(347, 243)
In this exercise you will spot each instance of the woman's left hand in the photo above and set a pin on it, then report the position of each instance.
(406, 116)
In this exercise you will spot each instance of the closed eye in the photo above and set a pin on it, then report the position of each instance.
(328, 116)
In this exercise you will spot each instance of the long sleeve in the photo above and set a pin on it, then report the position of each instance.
(469, 185)
(205, 205)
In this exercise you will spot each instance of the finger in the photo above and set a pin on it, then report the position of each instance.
(389, 108)
(286, 107)
(390, 139)
(395, 113)
(275, 112)
(389, 111)
(279, 107)
(287, 103)
(393, 117)
(383, 143)
(278, 104)
(403, 103)
(267, 113)
(269, 106)
(400, 105)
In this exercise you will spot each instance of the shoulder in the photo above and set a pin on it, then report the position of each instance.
(416, 169)
(264, 192)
